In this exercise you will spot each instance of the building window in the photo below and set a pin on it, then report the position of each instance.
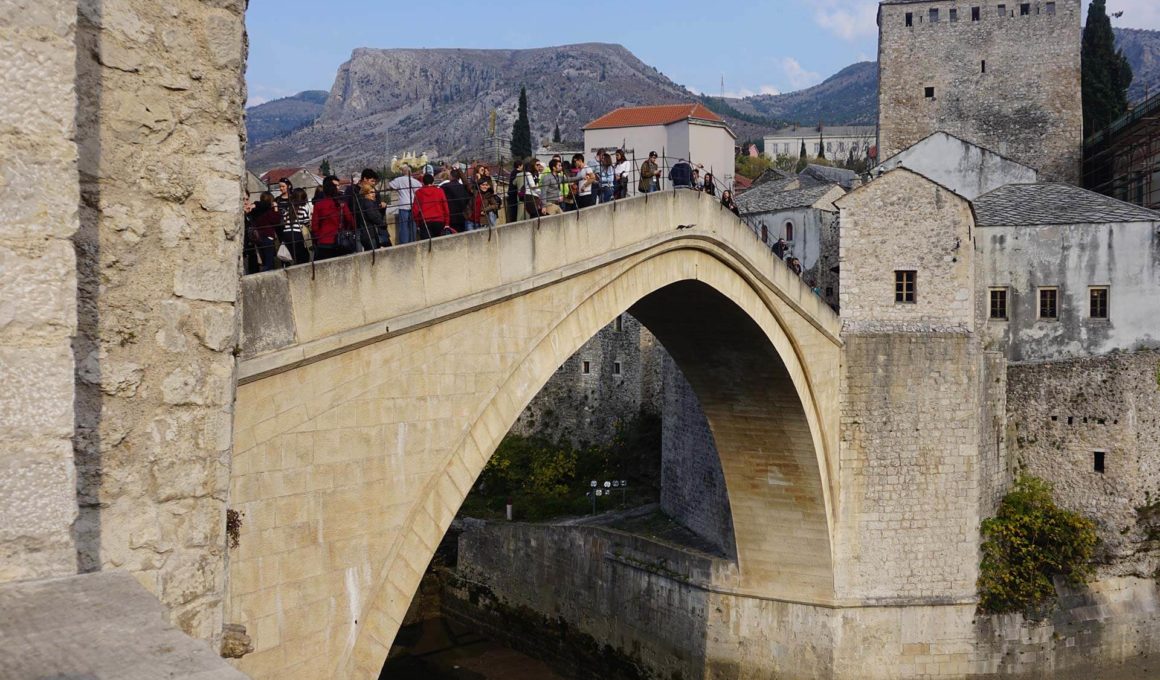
(904, 285)
(785, 149)
(829, 147)
(789, 231)
(1002, 11)
(841, 147)
(934, 16)
(1050, 8)
(998, 304)
(909, 19)
(1025, 9)
(1098, 302)
(817, 148)
(1049, 303)
(929, 93)
(953, 16)
(764, 233)
(619, 323)
(585, 368)
(616, 368)
(1098, 461)
(974, 14)
(984, 66)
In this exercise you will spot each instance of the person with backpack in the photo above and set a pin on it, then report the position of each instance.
(431, 212)
(681, 175)
(332, 223)
(458, 200)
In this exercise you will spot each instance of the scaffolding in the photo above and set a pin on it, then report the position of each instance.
(1123, 160)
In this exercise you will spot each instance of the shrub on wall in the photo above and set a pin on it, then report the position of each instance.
(1028, 542)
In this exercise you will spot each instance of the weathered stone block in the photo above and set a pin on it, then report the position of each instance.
(37, 399)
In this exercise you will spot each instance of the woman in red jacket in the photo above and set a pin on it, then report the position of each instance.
(430, 210)
(330, 217)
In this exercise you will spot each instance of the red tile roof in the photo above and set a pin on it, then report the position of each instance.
(639, 116)
(272, 176)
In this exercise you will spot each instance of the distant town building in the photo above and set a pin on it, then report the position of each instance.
(1003, 76)
(301, 178)
(1123, 160)
(839, 142)
(688, 131)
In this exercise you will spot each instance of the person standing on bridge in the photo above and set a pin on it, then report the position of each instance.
(681, 175)
(330, 217)
(430, 210)
(406, 186)
(649, 174)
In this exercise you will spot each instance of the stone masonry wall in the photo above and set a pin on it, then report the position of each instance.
(1061, 413)
(587, 407)
(692, 483)
(160, 97)
(1026, 105)
(38, 205)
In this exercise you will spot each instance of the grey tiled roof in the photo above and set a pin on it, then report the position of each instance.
(767, 198)
(827, 174)
(1050, 203)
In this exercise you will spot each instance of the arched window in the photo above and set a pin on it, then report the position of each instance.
(764, 233)
(789, 231)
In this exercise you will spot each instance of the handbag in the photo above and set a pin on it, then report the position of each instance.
(347, 241)
(284, 254)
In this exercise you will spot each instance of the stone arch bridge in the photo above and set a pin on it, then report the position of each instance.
(373, 389)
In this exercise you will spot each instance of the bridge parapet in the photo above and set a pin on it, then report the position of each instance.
(305, 313)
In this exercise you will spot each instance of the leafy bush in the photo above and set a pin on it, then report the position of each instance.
(748, 166)
(1029, 541)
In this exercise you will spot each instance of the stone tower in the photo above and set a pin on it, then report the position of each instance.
(1005, 76)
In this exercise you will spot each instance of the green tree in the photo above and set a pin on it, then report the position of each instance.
(522, 129)
(556, 134)
(324, 169)
(802, 160)
(1028, 541)
(1106, 73)
(748, 166)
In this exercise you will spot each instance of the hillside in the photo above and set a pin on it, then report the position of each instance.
(282, 116)
(849, 97)
(441, 99)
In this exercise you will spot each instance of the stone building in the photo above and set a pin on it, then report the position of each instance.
(808, 222)
(967, 169)
(1005, 76)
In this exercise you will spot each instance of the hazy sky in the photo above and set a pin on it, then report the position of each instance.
(757, 45)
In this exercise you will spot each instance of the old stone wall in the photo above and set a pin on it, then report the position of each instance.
(692, 483)
(601, 387)
(1063, 415)
(668, 611)
(1024, 103)
(38, 201)
(159, 118)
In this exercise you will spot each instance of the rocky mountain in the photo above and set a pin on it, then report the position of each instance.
(849, 97)
(1142, 48)
(280, 117)
(442, 99)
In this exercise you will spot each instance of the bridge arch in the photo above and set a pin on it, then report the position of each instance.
(766, 374)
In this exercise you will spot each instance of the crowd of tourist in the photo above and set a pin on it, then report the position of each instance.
(292, 228)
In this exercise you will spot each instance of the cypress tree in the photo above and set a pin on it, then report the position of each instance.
(522, 129)
(1106, 73)
(324, 169)
(556, 134)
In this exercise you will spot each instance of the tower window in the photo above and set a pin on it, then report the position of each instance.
(904, 285)
(1025, 9)
(998, 304)
(789, 231)
(974, 14)
(619, 323)
(616, 368)
(1002, 11)
(1049, 303)
(953, 15)
(1098, 302)
(909, 18)
(1098, 461)
(934, 16)
(1049, 8)
(586, 368)
(929, 93)
(984, 66)
(764, 234)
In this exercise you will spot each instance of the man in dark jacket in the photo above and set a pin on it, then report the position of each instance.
(458, 200)
(369, 211)
(681, 174)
